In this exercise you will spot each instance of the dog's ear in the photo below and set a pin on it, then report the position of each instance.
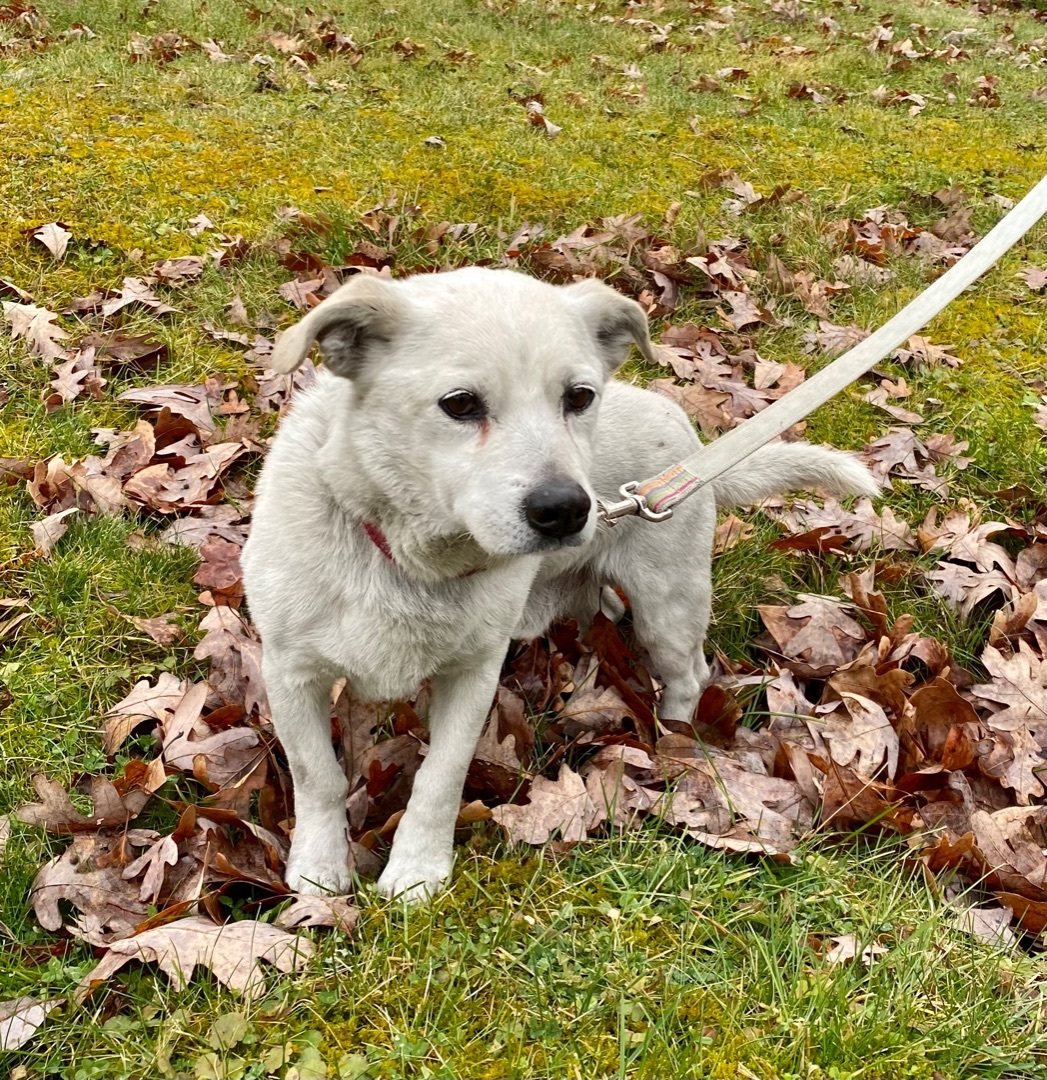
(614, 321)
(363, 313)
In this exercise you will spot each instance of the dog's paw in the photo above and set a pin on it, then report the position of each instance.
(325, 880)
(414, 880)
(319, 870)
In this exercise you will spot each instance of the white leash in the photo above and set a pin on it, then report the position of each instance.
(655, 498)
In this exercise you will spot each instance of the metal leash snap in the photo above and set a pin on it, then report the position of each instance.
(632, 505)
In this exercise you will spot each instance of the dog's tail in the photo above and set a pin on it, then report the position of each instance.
(799, 466)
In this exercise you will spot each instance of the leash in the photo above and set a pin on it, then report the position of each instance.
(654, 499)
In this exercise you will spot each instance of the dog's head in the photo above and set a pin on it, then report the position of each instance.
(476, 395)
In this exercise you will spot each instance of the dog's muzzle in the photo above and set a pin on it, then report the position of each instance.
(558, 509)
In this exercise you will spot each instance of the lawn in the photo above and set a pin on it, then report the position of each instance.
(273, 143)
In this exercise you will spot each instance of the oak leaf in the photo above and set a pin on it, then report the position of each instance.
(562, 805)
(865, 740)
(333, 911)
(37, 326)
(88, 876)
(817, 635)
(231, 952)
(20, 1018)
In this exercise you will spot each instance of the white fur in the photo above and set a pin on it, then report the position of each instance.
(468, 571)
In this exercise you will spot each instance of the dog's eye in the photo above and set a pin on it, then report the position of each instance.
(578, 398)
(463, 405)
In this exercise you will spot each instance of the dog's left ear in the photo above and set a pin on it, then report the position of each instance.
(614, 321)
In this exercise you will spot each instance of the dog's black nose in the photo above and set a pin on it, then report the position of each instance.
(557, 509)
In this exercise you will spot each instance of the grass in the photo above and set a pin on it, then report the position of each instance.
(642, 956)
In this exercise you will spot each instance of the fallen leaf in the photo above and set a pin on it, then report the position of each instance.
(37, 326)
(847, 947)
(1035, 277)
(865, 739)
(88, 876)
(56, 813)
(562, 805)
(335, 911)
(989, 924)
(48, 532)
(20, 1018)
(833, 340)
(135, 291)
(231, 952)
(818, 634)
(55, 237)
(144, 702)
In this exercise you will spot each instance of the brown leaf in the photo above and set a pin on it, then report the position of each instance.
(865, 737)
(138, 351)
(194, 530)
(731, 532)
(302, 295)
(833, 340)
(20, 1018)
(847, 947)
(705, 406)
(1019, 683)
(192, 402)
(988, 924)
(231, 952)
(220, 758)
(333, 911)
(1035, 277)
(87, 875)
(162, 628)
(151, 866)
(562, 805)
(72, 376)
(593, 712)
(235, 653)
(183, 268)
(730, 802)
(744, 310)
(48, 532)
(55, 237)
(143, 703)
(38, 327)
(921, 351)
(57, 814)
(964, 588)
(611, 779)
(817, 635)
(219, 571)
(135, 291)
(815, 294)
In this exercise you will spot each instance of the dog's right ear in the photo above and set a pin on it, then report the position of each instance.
(614, 321)
(363, 313)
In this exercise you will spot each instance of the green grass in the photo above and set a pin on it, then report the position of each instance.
(638, 957)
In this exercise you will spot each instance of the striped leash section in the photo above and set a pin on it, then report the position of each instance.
(654, 499)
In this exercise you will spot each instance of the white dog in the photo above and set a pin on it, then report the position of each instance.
(435, 496)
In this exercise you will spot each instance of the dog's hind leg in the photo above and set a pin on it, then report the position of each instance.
(671, 627)
(319, 859)
(420, 862)
(664, 569)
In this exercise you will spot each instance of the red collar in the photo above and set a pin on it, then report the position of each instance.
(377, 537)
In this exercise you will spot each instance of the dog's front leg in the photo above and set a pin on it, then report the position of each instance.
(319, 859)
(420, 861)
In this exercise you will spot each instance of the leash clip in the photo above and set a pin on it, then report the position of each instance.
(633, 504)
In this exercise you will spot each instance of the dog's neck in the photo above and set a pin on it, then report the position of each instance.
(403, 538)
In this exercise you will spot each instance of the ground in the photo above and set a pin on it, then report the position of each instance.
(639, 956)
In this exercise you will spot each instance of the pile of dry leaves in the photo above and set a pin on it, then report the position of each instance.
(867, 723)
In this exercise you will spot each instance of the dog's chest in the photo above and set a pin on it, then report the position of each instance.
(388, 636)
